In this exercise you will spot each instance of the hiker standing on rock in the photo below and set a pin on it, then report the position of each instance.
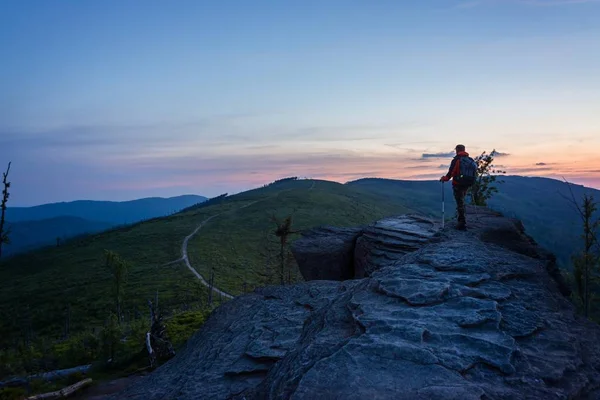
(463, 172)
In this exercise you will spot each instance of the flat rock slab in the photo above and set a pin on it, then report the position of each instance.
(458, 318)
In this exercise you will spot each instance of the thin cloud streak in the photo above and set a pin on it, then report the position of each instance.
(439, 155)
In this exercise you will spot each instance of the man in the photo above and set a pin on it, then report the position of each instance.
(462, 177)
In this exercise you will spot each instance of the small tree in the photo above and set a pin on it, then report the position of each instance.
(585, 264)
(482, 190)
(118, 268)
(283, 231)
(111, 336)
(4, 239)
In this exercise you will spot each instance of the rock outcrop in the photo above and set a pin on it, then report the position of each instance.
(331, 253)
(388, 240)
(327, 253)
(469, 315)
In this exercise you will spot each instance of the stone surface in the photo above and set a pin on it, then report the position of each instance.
(463, 317)
(329, 253)
(237, 345)
(326, 253)
(388, 240)
(510, 233)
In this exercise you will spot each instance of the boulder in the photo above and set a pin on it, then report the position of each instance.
(326, 253)
(465, 316)
(510, 233)
(329, 253)
(389, 239)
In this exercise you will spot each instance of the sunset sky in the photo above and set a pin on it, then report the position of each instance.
(115, 100)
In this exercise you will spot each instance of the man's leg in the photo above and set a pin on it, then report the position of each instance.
(459, 196)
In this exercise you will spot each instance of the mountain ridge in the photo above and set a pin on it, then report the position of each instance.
(89, 209)
(38, 226)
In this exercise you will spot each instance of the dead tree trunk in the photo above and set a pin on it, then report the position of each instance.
(158, 345)
(283, 231)
(5, 195)
(63, 393)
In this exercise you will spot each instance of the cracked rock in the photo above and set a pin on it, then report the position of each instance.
(466, 316)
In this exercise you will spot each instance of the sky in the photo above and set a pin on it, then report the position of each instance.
(116, 100)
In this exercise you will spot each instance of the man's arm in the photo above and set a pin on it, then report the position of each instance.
(452, 166)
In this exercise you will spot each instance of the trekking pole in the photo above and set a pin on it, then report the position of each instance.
(443, 204)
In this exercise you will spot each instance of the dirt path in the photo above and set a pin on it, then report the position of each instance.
(185, 258)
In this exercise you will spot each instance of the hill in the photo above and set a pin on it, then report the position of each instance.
(114, 212)
(28, 235)
(33, 227)
(542, 204)
(236, 240)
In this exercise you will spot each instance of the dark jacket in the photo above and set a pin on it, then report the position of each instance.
(454, 169)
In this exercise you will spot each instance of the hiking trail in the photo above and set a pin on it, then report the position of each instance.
(184, 253)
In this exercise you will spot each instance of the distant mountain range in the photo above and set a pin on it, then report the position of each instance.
(42, 225)
(542, 204)
(116, 212)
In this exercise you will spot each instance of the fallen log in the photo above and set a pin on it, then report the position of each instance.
(62, 393)
(47, 376)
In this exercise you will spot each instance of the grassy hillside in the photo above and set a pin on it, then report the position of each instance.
(37, 287)
(542, 205)
(27, 235)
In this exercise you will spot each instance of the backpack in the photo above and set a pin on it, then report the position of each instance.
(468, 171)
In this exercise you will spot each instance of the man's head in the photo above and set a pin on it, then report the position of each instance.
(459, 148)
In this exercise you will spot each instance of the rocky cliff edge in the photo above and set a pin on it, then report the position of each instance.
(406, 314)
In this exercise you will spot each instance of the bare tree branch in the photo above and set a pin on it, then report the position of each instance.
(5, 195)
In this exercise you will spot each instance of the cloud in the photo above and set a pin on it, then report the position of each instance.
(429, 175)
(526, 170)
(451, 154)
(220, 134)
(438, 155)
